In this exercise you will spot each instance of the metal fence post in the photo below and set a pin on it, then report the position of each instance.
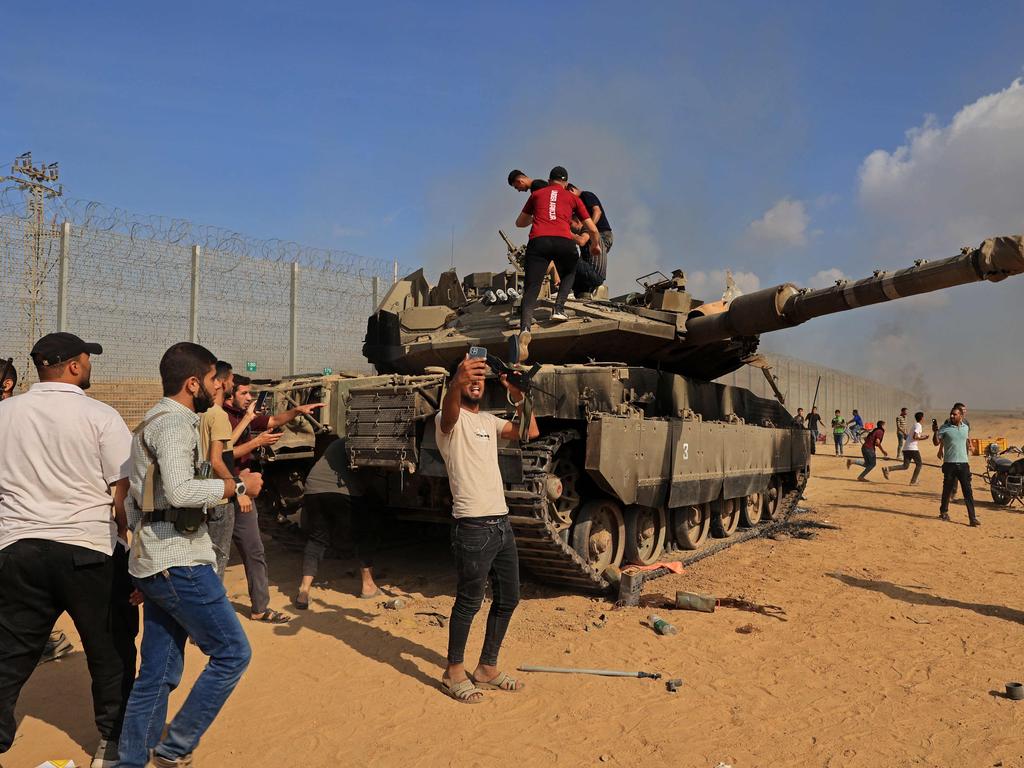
(394, 272)
(375, 286)
(62, 276)
(193, 313)
(293, 337)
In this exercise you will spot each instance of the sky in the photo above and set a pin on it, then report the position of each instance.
(799, 142)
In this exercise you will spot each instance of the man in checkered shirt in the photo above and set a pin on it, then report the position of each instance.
(173, 564)
(901, 431)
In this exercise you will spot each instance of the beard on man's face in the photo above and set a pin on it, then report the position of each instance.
(202, 401)
(473, 392)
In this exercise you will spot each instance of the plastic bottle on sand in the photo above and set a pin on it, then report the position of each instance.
(661, 626)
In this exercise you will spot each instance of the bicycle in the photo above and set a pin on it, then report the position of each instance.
(853, 435)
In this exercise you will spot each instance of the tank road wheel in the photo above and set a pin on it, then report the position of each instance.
(599, 534)
(691, 524)
(561, 490)
(725, 517)
(1000, 496)
(772, 499)
(645, 535)
(751, 509)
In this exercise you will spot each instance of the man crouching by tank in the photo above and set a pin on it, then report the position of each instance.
(482, 540)
(173, 564)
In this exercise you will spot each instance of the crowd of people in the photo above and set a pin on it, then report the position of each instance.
(96, 520)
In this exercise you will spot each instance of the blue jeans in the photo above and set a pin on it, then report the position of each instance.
(180, 603)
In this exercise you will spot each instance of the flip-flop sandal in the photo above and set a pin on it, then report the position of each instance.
(503, 682)
(272, 617)
(378, 593)
(463, 692)
(301, 605)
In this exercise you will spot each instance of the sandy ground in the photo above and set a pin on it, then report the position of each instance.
(899, 634)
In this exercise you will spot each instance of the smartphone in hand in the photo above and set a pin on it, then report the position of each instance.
(478, 353)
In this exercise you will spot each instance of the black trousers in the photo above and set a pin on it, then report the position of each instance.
(953, 473)
(324, 511)
(540, 252)
(484, 548)
(910, 457)
(40, 580)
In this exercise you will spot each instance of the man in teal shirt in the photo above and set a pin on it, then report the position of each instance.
(953, 437)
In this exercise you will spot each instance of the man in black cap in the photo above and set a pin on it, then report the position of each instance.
(520, 182)
(62, 531)
(548, 212)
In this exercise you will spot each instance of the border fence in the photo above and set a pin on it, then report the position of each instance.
(799, 381)
(138, 284)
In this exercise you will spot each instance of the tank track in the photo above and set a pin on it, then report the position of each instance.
(549, 557)
(541, 548)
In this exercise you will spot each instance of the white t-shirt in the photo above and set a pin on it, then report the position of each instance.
(59, 453)
(470, 455)
(910, 444)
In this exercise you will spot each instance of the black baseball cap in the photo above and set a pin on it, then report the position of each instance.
(558, 173)
(56, 348)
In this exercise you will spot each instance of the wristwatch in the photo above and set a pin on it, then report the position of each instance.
(239, 486)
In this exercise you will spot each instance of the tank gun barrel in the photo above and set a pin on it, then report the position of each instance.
(785, 306)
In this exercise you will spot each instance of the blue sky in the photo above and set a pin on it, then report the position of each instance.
(377, 129)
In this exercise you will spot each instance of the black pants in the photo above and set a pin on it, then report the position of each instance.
(483, 548)
(587, 279)
(910, 457)
(323, 513)
(951, 475)
(40, 580)
(540, 252)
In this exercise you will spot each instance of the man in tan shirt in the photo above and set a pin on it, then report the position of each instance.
(216, 441)
(482, 539)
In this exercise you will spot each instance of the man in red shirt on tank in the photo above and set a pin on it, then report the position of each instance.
(548, 212)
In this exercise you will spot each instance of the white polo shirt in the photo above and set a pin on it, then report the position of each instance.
(59, 453)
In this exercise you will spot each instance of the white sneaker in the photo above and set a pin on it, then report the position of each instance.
(559, 317)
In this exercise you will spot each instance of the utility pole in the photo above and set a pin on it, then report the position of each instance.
(37, 181)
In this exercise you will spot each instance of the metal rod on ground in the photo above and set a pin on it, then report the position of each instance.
(602, 672)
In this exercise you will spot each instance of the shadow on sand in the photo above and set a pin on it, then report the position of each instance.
(903, 594)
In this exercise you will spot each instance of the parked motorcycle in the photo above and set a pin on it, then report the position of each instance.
(1004, 473)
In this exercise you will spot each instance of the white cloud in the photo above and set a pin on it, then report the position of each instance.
(826, 278)
(956, 184)
(785, 222)
(709, 286)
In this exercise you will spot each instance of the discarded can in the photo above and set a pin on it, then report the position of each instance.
(689, 601)
(1015, 691)
(394, 603)
(661, 626)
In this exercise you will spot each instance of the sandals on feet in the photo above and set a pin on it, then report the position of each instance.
(463, 692)
(271, 617)
(503, 682)
(375, 593)
(299, 603)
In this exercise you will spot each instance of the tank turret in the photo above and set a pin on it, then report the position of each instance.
(662, 326)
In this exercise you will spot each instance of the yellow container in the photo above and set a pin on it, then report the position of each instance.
(978, 446)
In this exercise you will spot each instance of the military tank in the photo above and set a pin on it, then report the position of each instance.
(640, 452)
